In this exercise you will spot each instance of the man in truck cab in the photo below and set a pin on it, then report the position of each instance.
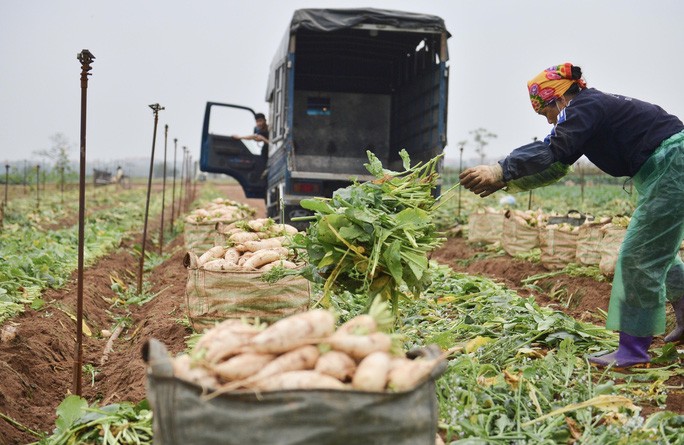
(260, 134)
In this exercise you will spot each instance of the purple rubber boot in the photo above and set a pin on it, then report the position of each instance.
(631, 351)
(677, 335)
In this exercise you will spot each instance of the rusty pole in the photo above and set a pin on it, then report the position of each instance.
(86, 58)
(173, 191)
(155, 109)
(161, 231)
(189, 197)
(194, 186)
(38, 187)
(188, 184)
(7, 167)
(460, 170)
(180, 194)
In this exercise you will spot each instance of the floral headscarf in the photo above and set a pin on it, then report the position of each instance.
(551, 84)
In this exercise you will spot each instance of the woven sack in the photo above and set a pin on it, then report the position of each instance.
(199, 237)
(485, 227)
(213, 296)
(558, 247)
(610, 248)
(589, 244)
(518, 236)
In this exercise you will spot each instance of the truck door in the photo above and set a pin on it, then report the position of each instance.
(244, 160)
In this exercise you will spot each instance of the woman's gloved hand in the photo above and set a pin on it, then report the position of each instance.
(483, 180)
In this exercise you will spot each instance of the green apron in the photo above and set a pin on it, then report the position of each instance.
(649, 269)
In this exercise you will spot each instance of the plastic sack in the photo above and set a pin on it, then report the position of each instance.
(289, 417)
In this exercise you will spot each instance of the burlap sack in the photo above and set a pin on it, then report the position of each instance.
(213, 296)
(485, 226)
(558, 247)
(518, 236)
(199, 237)
(610, 247)
(589, 244)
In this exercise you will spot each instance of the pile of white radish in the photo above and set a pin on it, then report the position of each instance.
(220, 209)
(303, 351)
(257, 244)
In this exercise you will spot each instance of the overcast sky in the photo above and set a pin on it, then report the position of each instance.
(183, 53)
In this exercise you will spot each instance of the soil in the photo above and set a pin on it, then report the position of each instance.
(37, 365)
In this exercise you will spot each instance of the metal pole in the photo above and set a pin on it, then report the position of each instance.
(188, 182)
(37, 186)
(61, 173)
(180, 194)
(194, 184)
(7, 167)
(155, 109)
(86, 58)
(173, 191)
(460, 170)
(161, 231)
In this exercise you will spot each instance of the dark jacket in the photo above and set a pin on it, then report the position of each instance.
(616, 133)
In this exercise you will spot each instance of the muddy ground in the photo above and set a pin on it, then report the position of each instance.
(37, 365)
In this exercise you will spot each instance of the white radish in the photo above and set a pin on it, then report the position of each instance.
(410, 373)
(244, 257)
(299, 380)
(304, 357)
(359, 346)
(269, 243)
(363, 324)
(285, 264)
(219, 265)
(213, 253)
(283, 229)
(290, 332)
(184, 369)
(259, 224)
(371, 374)
(232, 255)
(242, 366)
(261, 257)
(242, 237)
(336, 364)
(226, 340)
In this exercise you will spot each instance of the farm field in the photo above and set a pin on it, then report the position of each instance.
(37, 363)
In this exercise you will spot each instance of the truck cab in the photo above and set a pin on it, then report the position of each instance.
(342, 81)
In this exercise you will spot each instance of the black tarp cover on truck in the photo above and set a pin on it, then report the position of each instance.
(326, 20)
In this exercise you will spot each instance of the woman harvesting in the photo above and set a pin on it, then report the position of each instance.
(623, 137)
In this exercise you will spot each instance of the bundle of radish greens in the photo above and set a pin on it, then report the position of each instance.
(373, 238)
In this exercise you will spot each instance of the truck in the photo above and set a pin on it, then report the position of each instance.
(342, 82)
